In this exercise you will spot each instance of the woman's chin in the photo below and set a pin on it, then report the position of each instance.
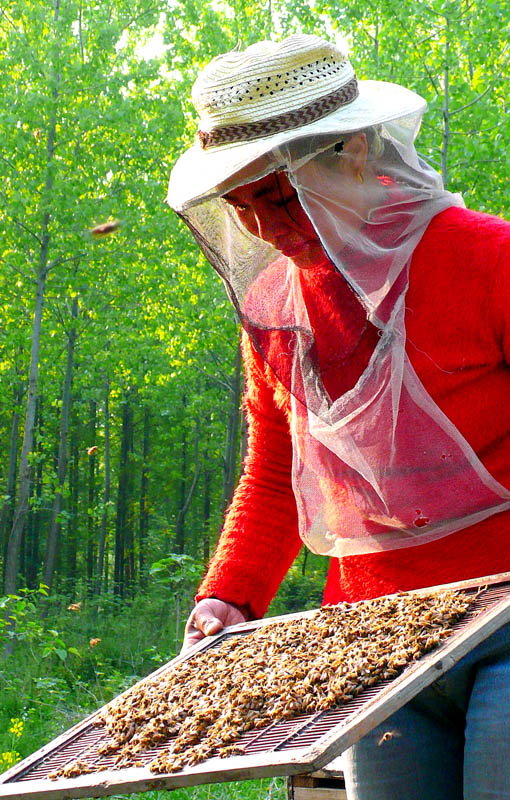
(306, 255)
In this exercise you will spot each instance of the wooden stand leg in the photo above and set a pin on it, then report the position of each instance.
(316, 787)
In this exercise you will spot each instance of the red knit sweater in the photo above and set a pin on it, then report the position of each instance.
(458, 339)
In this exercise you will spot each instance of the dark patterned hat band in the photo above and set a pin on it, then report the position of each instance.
(287, 121)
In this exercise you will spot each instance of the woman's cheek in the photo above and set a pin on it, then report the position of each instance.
(248, 221)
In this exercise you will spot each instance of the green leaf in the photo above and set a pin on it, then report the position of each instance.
(62, 654)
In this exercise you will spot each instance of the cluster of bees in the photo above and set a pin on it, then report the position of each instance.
(202, 706)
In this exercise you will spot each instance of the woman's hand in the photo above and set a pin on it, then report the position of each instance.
(209, 617)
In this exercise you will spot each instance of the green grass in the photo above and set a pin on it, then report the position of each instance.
(263, 789)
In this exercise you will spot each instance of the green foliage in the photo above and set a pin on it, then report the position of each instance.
(94, 119)
(303, 586)
(88, 140)
(176, 571)
(19, 620)
(69, 664)
(10, 757)
(456, 55)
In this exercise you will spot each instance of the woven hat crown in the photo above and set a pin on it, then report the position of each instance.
(271, 86)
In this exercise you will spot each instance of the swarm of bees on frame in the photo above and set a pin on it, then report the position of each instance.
(203, 705)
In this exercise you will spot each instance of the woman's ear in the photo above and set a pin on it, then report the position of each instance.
(354, 155)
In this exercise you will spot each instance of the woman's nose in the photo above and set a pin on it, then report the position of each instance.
(269, 222)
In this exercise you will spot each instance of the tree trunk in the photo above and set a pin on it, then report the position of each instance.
(179, 519)
(11, 561)
(106, 497)
(6, 515)
(122, 501)
(206, 551)
(28, 548)
(55, 525)
(446, 107)
(73, 521)
(243, 442)
(129, 557)
(232, 439)
(144, 500)
(180, 545)
(34, 517)
(91, 519)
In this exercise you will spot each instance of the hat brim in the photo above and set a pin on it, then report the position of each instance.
(200, 174)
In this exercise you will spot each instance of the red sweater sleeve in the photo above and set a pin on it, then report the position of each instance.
(260, 538)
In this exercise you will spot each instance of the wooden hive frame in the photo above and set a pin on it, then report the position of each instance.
(305, 744)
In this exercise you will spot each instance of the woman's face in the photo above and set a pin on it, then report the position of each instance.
(269, 208)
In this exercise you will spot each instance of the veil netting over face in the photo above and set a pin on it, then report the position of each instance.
(377, 466)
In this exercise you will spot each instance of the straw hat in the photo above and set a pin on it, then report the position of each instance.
(254, 101)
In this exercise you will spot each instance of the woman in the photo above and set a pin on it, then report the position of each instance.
(376, 344)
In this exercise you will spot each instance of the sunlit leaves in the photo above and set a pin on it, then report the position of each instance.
(154, 319)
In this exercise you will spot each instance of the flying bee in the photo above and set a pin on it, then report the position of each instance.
(105, 228)
(388, 736)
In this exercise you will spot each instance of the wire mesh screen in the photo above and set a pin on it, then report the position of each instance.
(287, 746)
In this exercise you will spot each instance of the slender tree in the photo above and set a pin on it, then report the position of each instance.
(62, 459)
(91, 495)
(143, 526)
(102, 550)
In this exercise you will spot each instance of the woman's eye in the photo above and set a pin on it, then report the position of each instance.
(237, 206)
(282, 202)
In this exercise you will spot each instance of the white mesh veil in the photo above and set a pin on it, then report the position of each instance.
(379, 466)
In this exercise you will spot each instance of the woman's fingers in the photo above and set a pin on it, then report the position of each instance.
(209, 617)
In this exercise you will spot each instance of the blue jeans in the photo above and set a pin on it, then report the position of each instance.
(452, 742)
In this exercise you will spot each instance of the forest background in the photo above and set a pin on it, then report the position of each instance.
(121, 437)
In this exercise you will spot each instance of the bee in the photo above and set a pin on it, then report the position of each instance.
(388, 736)
(105, 228)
